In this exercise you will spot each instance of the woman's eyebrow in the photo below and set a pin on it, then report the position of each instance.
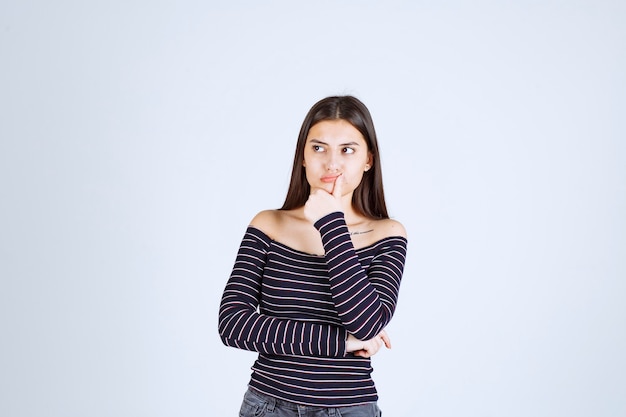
(341, 144)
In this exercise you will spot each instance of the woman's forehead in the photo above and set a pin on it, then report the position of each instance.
(335, 132)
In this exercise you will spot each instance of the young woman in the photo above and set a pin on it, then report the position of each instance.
(316, 282)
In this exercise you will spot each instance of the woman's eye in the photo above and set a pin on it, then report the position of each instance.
(348, 150)
(318, 148)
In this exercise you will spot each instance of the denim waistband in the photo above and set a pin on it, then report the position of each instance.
(277, 402)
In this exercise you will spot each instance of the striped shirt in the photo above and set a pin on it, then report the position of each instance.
(296, 310)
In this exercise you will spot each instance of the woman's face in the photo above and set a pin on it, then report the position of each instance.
(335, 149)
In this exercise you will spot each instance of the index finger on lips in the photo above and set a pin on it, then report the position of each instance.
(337, 186)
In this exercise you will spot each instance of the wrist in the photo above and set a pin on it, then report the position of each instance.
(353, 344)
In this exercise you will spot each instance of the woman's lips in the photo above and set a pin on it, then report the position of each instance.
(329, 178)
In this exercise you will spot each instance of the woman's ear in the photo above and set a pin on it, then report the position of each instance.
(370, 161)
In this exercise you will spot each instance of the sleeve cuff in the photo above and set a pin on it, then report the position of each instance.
(329, 218)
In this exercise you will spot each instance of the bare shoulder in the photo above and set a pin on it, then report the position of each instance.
(266, 221)
(390, 227)
(272, 222)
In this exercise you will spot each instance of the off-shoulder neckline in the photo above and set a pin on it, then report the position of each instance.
(361, 249)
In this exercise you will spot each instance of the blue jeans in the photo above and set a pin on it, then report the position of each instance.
(256, 404)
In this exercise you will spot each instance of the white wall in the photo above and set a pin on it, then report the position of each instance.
(138, 138)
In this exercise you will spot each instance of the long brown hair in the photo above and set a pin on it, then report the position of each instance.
(368, 198)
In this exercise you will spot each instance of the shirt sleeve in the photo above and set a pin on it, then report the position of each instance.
(240, 324)
(364, 299)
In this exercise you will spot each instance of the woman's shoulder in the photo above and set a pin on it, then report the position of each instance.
(271, 222)
(389, 228)
(264, 218)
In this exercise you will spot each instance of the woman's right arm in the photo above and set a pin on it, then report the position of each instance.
(242, 326)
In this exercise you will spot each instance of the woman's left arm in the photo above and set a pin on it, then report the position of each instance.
(364, 300)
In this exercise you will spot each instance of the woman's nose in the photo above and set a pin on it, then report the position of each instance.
(332, 164)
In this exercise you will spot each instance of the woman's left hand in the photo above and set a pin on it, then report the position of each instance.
(367, 348)
(321, 202)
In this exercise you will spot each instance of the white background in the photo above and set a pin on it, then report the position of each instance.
(138, 138)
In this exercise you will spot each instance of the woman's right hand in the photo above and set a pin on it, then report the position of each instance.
(367, 348)
(321, 202)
